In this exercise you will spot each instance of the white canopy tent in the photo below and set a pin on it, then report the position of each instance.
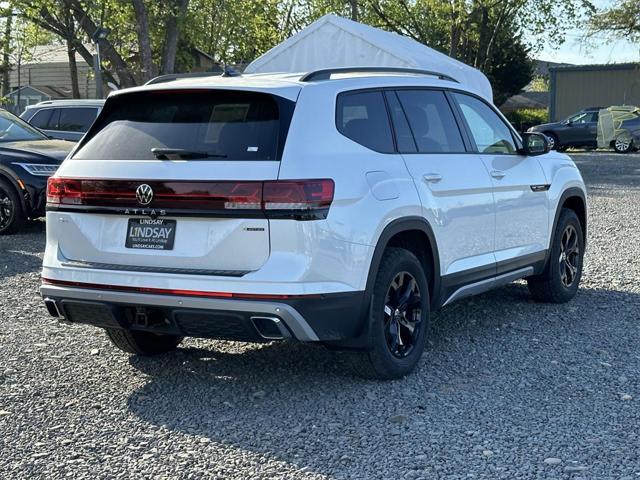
(333, 41)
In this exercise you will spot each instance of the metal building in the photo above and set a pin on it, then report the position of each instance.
(580, 86)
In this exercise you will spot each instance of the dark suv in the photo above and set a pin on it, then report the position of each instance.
(577, 130)
(63, 119)
(27, 159)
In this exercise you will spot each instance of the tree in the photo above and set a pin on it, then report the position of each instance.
(19, 48)
(148, 36)
(177, 11)
(511, 68)
(71, 55)
(620, 21)
(144, 40)
(5, 69)
(56, 17)
(85, 21)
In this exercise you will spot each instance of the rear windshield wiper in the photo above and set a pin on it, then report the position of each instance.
(182, 154)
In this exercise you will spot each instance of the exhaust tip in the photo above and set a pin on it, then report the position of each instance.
(52, 308)
(270, 328)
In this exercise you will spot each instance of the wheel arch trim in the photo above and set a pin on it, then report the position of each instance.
(393, 228)
(572, 192)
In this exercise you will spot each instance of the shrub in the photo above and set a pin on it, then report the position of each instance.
(527, 117)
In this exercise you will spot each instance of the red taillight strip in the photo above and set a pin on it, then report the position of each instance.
(308, 199)
(176, 292)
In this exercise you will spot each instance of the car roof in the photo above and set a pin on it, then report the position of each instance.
(69, 103)
(289, 85)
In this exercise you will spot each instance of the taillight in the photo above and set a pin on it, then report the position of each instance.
(299, 199)
(64, 190)
(297, 194)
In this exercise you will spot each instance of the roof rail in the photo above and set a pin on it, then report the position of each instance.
(227, 72)
(325, 73)
(177, 76)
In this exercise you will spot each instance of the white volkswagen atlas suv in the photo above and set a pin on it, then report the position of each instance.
(339, 206)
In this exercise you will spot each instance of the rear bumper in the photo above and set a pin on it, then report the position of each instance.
(330, 317)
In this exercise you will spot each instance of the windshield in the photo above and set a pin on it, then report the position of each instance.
(13, 129)
(187, 125)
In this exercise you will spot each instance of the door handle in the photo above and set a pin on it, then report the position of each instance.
(432, 177)
(499, 174)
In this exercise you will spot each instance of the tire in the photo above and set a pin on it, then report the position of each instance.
(623, 143)
(561, 278)
(12, 217)
(142, 343)
(554, 144)
(394, 350)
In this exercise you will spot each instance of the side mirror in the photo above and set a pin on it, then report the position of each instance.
(535, 143)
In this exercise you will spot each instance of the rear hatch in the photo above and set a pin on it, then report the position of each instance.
(172, 180)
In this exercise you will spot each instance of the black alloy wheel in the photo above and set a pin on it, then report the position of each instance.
(402, 315)
(398, 320)
(569, 256)
(559, 281)
(7, 209)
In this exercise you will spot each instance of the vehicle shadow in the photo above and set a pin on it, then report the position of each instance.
(493, 348)
(22, 252)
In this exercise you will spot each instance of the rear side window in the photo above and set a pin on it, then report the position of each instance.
(206, 124)
(76, 119)
(42, 119)
(432, 122)
(363, 118)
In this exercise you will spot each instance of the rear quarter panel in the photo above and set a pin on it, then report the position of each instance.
(371, 189)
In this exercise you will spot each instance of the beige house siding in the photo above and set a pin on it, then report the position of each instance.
(56, 75)
(575, 88)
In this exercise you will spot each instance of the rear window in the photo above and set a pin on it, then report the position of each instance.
(218, 124)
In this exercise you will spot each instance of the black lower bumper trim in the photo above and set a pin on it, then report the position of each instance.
(171, 321)
(332, 317)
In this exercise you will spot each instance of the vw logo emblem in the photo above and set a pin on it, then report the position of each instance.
(144, 194)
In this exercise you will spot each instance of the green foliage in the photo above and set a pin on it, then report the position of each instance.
(495, 36)
(620, 21)
(510, 69)
(539, 84)
(526, 117)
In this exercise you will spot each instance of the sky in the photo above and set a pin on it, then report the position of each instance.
(575, 51)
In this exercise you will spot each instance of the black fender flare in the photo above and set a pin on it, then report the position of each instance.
(568, 193)
(398, 226)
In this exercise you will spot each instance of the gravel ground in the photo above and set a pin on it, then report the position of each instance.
(508, 389)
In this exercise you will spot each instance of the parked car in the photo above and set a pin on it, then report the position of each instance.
(339, 209)
(63, 119)
(27, 159)
(628, 138)
(577, 130)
